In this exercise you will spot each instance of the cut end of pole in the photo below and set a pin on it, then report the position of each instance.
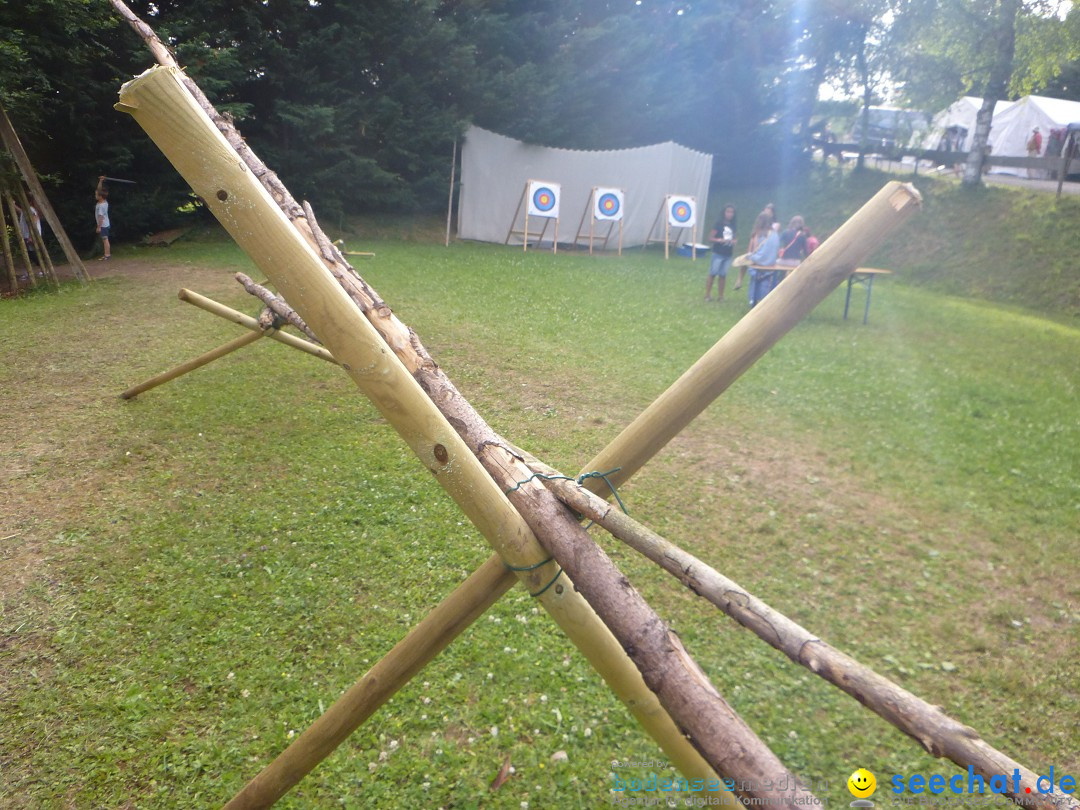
(906, 194)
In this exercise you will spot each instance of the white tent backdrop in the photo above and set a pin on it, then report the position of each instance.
(961, 113)
(495, 168)
(1009, 133)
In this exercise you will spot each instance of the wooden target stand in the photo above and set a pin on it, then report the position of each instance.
(590, 212)
(668, 229)
(524, 231)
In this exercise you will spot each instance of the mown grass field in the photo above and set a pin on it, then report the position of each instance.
(189, 578)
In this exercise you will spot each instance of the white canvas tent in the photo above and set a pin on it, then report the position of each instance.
(495, 168)
(960, 114)
(1011, 131)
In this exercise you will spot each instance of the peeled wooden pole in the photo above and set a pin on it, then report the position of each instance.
(819, 274)
(159, 103)
(230, 314)
(15, 147)
(430, 637)
(191, 365)
(939, 734)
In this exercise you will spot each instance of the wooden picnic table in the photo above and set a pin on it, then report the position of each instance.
(860, 275)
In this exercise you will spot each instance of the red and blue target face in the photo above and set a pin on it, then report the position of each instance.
(681, 211)
(543, 199)
(608, 204)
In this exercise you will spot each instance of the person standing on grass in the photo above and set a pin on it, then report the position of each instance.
(723, 248)
(770, 211)
(764, 247)
(1034, 148)
(101, 214)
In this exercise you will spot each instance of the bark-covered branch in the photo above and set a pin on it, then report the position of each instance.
(276, 304)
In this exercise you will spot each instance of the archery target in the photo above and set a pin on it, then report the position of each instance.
(681, 212)
(543, 199)
(609, 203)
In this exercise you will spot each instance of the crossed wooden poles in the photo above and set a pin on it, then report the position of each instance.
(537, 539)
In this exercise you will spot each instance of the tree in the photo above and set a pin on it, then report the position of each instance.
(990, 48)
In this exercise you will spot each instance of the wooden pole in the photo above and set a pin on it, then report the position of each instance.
(450, 201)
(1070, 139)
(9, 262)
(159, 103)
(14, 146)
(425, 641)
(229, 314)
(35, 236)
(191, 365)
(513, 222)
(819, 274)
(939, 734)
(18, 237)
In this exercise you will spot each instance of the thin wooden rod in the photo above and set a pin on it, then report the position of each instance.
(230, 314)
(9, 261)
(758, 330)
(191, 365)
(425, 641)
(450, 201)
(935, 731)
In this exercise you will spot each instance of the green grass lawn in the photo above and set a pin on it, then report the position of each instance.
(191, 577)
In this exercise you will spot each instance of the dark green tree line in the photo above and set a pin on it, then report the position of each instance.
(357, 103)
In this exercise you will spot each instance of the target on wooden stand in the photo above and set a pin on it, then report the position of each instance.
(543, 199)
(609, 204)
(681, 212)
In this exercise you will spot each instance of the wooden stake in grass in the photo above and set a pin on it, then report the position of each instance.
(430, 637)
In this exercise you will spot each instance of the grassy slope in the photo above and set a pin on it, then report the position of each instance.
(210, 564)
(1004, 245)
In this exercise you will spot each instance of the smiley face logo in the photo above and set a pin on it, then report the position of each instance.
(862, 784)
